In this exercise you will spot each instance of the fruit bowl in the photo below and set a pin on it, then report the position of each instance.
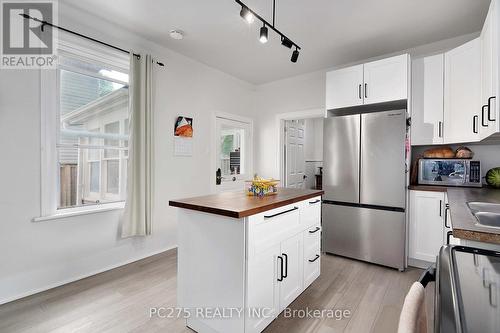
(261, 187)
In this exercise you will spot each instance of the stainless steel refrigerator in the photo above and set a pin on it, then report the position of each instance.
(364, 180)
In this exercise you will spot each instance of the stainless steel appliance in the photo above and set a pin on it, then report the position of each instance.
(467, 291)
(449, 172)
(364, 181)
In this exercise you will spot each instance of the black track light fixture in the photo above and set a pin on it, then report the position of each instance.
(295, 55)
(249, 16)
(286, 42)
(246, 14)
(263, 34)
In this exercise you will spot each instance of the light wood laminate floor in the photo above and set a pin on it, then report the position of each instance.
(120, 300)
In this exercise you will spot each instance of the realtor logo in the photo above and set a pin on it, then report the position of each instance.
(26, 41)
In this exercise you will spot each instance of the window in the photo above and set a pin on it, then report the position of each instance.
(230, 151)
(85, 130)
(233, 151)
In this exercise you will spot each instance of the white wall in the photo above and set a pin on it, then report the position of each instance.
(306, 92)
(36, 256)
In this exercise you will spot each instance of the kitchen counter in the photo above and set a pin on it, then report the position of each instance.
(463, 221)
(431, 188)
(249, 253)
(239, 204)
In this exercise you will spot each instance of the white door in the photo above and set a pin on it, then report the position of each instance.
(489, 64)
(386, 80)
(462, 92)
(292, 254)
(427, 100)
(264, 269)
(427, 211)
(233, 154)
(344, 87)
(295, 163)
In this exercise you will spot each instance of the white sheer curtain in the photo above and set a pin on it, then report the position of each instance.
(137, 218)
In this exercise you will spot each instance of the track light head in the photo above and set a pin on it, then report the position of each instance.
(263, 34)
(295, 55)
(247, 15)
(286, 42)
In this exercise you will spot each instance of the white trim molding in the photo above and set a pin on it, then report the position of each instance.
(280, 125)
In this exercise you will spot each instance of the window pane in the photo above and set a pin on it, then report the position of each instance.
(112, 128)
(112, 176)
(230, 150)
(95, 173)
(93, 112)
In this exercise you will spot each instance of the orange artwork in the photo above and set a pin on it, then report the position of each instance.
(184, 127)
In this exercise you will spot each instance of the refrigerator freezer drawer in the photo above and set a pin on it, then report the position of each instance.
(371, 235)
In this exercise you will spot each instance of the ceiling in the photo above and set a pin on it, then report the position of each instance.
(330, 32)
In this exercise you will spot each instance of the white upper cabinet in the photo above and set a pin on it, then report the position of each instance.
(462, 93)
(489, 72)
(427, 100)
(386, 80)
(344, 87)
(374, 82)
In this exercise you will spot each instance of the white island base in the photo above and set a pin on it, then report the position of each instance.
(238, 274)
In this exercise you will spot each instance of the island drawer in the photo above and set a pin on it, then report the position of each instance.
(272, 227)
(312, 238)
(312, 265)
(310, 213)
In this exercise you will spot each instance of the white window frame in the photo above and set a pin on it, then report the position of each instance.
(49, 83)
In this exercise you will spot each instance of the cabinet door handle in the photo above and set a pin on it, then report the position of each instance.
(440, 129)
(474, 120)
(281, 268)
(314, 202)
(489, 108)
(315, 230)
(366, 90)
(483, 118)
(315, 258)
(446, 217)
(440, 207)
(280, 213)
(448, 236)
(359, 92)
(286, 265)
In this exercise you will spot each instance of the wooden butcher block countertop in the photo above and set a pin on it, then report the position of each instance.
(239, 204)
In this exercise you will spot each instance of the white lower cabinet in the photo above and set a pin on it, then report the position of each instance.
(256, 265)
(283, 259)
(312, 254)
(427, 224)
(291, 275)
(263, 288)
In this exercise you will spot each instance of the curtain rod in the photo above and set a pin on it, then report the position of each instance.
(44, 23)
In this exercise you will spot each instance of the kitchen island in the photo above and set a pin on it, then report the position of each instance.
(242, 260)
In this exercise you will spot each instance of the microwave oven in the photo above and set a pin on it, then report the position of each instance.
(449, 172)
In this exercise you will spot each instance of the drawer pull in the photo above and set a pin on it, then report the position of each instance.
(315, 230)
(314, 202)
(315, 258)
(280, 213)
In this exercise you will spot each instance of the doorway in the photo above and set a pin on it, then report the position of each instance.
(233, 152)
(303, 153)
